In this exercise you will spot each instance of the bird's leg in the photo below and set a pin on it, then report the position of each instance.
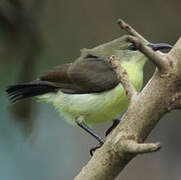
(115, 123)
(93, 134)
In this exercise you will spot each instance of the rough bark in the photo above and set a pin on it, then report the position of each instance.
(161, 95)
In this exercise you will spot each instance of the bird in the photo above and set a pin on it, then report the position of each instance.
(88, 91)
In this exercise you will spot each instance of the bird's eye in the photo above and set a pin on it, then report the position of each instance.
(132, 47)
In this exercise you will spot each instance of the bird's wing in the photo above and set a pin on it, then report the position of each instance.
(89, 75)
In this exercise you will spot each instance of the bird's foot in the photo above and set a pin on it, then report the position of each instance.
(92, 150)
(93, 134)
(113, 126)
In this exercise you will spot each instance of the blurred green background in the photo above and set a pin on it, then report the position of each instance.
(37, 35)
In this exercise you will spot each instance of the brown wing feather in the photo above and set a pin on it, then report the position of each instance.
(89, 75)
(57, 74)
(93, 75)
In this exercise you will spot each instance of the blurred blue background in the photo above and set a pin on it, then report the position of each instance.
(36, 35)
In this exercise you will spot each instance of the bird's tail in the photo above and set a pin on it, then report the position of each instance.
(26, 90)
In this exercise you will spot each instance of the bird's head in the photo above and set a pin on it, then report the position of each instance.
(122, 48)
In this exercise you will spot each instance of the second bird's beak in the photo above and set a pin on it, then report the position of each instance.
(160, 46)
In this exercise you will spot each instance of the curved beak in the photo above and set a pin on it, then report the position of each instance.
(160, 46)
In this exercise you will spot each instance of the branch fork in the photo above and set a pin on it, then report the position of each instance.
(161, 94)
(158, 58)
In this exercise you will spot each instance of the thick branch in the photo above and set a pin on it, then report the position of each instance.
(144, 112)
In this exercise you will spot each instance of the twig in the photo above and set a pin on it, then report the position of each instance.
(123, 77)
(140, 43)
(130, 30)
(131, 146)
(156, 57)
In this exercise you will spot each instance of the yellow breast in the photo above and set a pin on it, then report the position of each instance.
(95, 107)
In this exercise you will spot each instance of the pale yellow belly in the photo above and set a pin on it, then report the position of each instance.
(96, 107)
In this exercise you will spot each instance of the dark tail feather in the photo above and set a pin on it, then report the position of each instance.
(26, 90)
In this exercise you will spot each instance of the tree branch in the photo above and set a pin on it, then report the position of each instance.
(131, 146)
(156, 57)
(158, 97)
(130, 30)
(123, 77)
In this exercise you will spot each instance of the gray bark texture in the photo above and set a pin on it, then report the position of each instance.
(161, 95)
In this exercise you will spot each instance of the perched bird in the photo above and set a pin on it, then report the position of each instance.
(88, 91)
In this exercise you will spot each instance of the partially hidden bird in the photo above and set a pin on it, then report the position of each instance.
(88, 90)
